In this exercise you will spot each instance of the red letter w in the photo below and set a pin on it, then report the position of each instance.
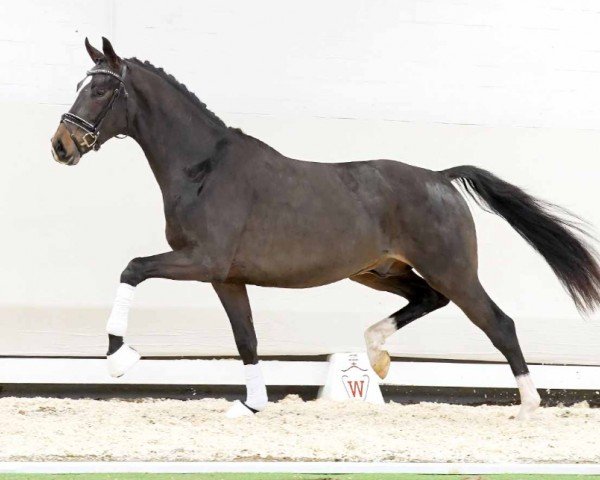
(356, 386)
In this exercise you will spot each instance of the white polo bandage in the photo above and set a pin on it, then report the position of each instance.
(256, 390)
(122, 360)
(119, 315)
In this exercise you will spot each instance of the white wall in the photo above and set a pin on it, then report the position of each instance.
(511, 86)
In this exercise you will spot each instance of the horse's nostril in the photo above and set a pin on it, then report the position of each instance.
(60, 149)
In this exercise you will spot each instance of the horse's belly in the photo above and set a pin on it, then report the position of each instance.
(265, 274)
(296, 259)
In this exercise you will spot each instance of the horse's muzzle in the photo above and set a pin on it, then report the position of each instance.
(64, 150)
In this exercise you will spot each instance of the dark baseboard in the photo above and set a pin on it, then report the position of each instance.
(398, 394)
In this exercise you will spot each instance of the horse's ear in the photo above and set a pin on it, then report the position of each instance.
(95, 55)
(109, 53)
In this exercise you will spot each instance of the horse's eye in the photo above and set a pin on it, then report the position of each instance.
(100, 92)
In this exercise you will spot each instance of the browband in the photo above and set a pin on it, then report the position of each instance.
(105, 71)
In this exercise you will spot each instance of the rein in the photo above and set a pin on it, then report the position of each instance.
(92, 130)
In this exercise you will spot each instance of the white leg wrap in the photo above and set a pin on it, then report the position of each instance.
(119, 315)
(122, 360)
(530, 398)
(256, 394)
(256, 390)
(125, 357)
(375, 337)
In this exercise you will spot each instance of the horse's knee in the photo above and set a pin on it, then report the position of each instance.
(133, 273)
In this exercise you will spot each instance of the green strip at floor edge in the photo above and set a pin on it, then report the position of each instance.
(287, 476)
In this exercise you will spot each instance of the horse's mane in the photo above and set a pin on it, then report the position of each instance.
(178, 86)
(193, 98)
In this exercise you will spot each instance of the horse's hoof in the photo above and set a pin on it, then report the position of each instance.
(240, 409)
(527, 408)
(381, 363)
(122, 360)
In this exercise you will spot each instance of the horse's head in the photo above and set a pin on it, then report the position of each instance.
(100, 110)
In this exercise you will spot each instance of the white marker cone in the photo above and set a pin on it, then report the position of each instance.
(351, 377)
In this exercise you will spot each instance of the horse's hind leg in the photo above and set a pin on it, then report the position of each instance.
(235, 301)
(422, 299)
(466, 291)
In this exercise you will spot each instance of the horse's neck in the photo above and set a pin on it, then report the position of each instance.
(173, 132)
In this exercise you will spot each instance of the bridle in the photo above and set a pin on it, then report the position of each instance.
(92, 130)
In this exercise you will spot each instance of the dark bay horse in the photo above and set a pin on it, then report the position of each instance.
(238, 212)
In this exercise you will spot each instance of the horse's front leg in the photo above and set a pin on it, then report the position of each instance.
(177, 265)
(235, 301)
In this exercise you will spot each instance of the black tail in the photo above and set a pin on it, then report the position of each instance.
(560, 239)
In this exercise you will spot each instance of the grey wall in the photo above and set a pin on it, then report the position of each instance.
(510, 86)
